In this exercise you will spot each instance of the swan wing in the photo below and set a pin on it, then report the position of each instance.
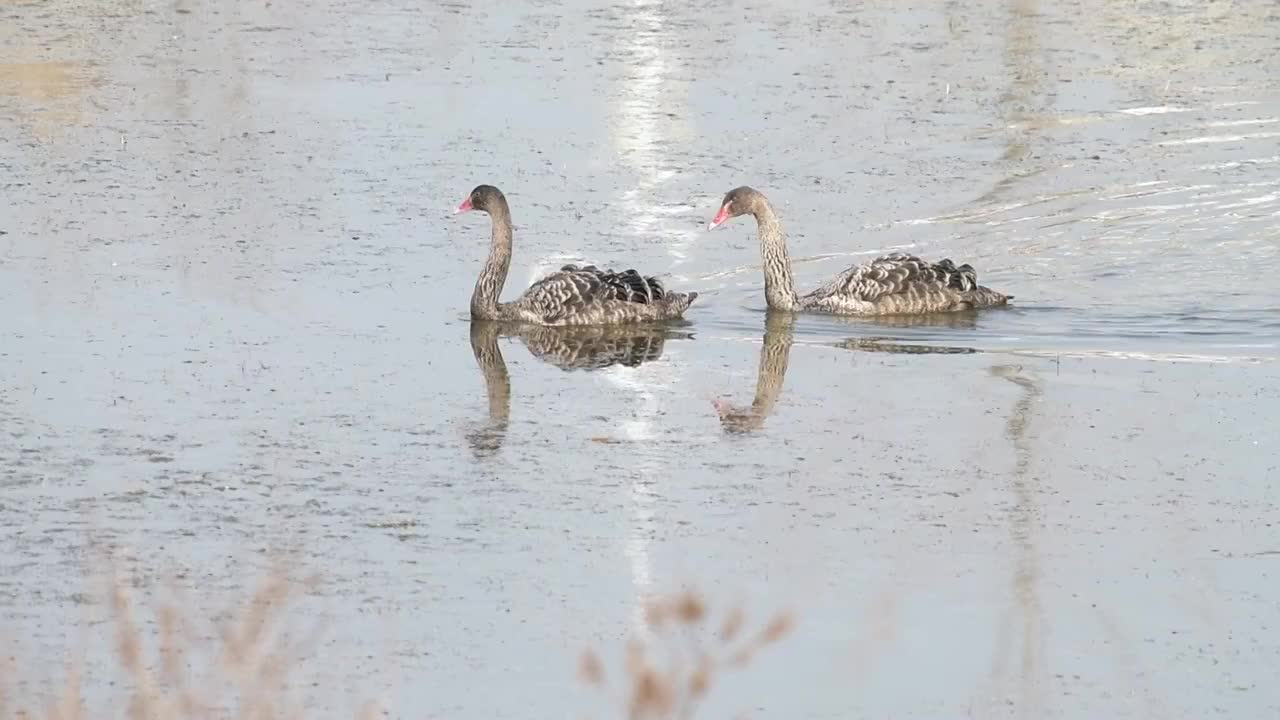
(574, 287)
(898, 273)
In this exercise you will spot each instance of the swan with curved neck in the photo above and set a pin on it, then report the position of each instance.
(893, 284)
(572, 295)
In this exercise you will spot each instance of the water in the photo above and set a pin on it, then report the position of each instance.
(234, 322)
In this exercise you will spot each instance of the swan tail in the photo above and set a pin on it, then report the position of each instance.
(985, 296)
(677, 303)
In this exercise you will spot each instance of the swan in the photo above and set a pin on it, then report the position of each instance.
(893, 284)
(572, 295)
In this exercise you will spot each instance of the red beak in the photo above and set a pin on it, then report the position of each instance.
(464, 207)
(719, 218)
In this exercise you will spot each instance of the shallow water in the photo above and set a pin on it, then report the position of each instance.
(234, 321)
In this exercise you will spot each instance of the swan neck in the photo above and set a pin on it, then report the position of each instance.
(779, 290)
(484, 299)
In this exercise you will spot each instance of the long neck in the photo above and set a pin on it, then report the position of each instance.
(778, 288)
(484, 299)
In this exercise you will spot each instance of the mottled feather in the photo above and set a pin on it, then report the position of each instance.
(903, 283)
(577, 295)
(893, 284)
(896, 273)
(627, 286)
(571, 296)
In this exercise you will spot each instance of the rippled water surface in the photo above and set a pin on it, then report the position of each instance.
(233, 316)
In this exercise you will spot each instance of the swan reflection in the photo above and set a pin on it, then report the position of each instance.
(487, 439)
(890, 345)
(568, 348)
(903, 344)
(964, 320)
(775, 353)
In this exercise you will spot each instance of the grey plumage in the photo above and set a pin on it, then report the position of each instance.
(571, 296)
(892, 284)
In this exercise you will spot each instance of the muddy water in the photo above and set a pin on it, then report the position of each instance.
(234, 322)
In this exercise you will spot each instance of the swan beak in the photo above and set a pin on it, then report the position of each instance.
(464, 207)
(719, 218)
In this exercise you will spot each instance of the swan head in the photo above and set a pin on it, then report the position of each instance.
(738, 201)
(485, 198)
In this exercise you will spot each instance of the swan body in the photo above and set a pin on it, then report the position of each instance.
(902, 284)
(587, 295)
(571, 296)
(893, 284)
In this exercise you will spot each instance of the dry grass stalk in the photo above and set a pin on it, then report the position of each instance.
(246, 676)
(590, 669)
(692, 653)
